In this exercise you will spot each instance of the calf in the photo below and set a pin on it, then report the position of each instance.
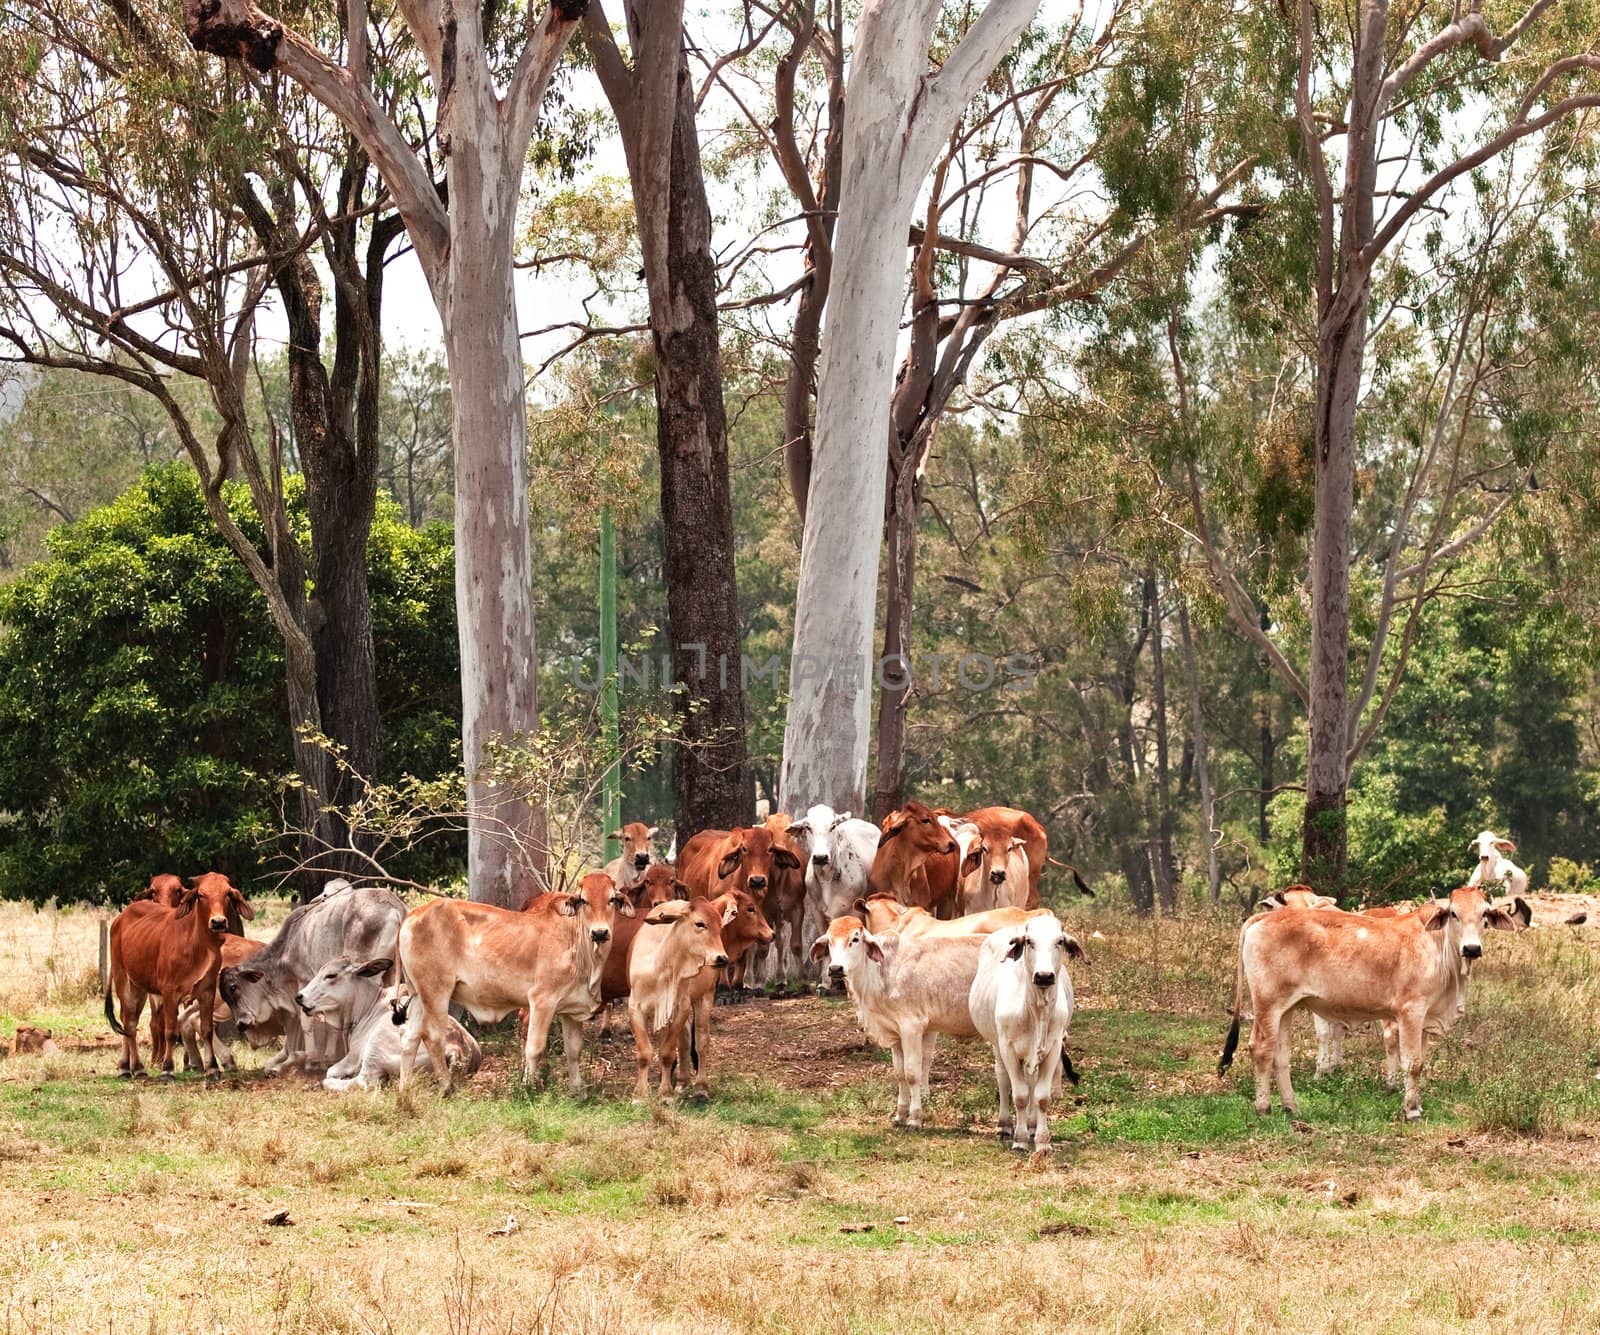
(547, 958)
(744, 929)
(627, 869)
(170, 954)
(1352, 968)
(361, 921)
(906, 991)
(1495, 871)
(347, 986)
(784, 907)
(660, 886)
(1021, 1002)
(674, 946)
(164, 889)
(742, 859)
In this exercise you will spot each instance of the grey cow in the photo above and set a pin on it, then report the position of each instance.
(361, 921)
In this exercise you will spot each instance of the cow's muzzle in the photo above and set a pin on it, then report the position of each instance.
(758, 882)
(836, 972)
(997, 877)
(950, 847)
(219, 924)
(819, 859)
(1044, 979)
(719, 961)
(600, 935)
(300, 1001)
(1472, 951)
(641, 859)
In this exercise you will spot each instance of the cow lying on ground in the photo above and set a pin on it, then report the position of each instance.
(169, 954)
(907, 990)
(1021, 1003)
(350, 986)
(1353, 968)
(547, 958)
(356, 920)
(235, 950)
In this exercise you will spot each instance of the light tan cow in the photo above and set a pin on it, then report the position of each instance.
(1352, 968)
(546, 958)
(907, 990)
(677, 943)
(627, 869)
(882, 913)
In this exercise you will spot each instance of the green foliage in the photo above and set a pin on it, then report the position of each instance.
(142, 715)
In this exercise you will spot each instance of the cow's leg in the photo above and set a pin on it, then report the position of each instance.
(1391, 1052)
(572, 1050)
(1043, 1078)
(171, 1038)
(131, 1001)
(410, 1039)
(911, 1037)
(702, 1046)
(1280, 1064)
(1263, 1049)
(205, 996)
(1411, 1053)
(1330, 1044)
(669, 1052)
(902, 1096)
(644, 1054)
(1002, 1082)
(539, 1018)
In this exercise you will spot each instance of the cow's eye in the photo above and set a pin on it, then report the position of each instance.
(699, 926)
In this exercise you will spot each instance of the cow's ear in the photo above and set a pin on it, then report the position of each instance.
(730, 863)
(782, 857)
(1520, 915)
(819, 950)
(623, 904)
(1505, 845)
(874, 950)
(240, 902)
(568, 905)
(1435, 917)
(730, 911)
(1273, 901)
(1014, 949)
(800, 827)
(375, 968)
(860, 906)
(1069, 943)
(615, 834)
(839, 820)
(973, 860)
(249, 975)
(652, 832)
(1018, 842)
(186, 902)
(892, 833)
(679, 890)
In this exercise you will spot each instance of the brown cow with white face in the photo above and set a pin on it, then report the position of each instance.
(1352, 968)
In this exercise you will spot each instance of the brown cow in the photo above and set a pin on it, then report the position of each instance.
(660, 886)
(784, 907)
(744, 927)
(675, 944)
(1352, 968)
(917, 861)
(164, 889)
(171, 954)
(747, 859)
(627, 869)
(492, 961)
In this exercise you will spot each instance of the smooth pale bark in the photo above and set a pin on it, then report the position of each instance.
(465, 250)
(896, 114)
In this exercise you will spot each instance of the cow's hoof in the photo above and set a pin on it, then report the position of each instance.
(1021, 1147)
(1413, 1114)
(166, 1075)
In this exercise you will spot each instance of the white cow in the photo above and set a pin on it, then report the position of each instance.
(1495, 871)
(906, 991)
(1021, 1002)
(838, 850)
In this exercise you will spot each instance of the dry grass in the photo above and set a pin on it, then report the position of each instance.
(1167, 1205)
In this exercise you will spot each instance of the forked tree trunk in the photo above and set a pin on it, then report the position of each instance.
(896, 115)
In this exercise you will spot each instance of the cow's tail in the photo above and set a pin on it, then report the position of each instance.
(1077, 880)
(694, 1049)
(400, 1007)
(111, 1011)
(1231, 1044)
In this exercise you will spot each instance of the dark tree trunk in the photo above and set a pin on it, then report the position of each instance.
(1166, 878)
(894, 694)
(1269, 750)
(710, 778)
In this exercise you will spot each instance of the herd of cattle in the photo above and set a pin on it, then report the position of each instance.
(932, 924)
